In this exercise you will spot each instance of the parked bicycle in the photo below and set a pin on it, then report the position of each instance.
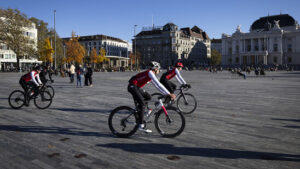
(42, 98)
(185, 102)
(123, 120)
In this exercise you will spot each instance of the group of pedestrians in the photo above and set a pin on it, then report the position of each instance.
(87, 72)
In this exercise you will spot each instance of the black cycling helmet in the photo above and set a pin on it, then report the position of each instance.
(36, 68)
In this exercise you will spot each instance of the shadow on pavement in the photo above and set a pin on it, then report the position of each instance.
(51, 130)
(204, 152)
(8, 108)
(295, 127)
(293, 120)
(82, 110)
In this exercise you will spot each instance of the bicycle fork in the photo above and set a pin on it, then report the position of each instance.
(168, 120)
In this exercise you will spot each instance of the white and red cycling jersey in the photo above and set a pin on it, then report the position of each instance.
(32, 76)
(174, 72)
(141, 79)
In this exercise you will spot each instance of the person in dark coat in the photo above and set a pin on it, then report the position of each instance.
(88, 76)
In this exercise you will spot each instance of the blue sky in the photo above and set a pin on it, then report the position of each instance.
(117, 17)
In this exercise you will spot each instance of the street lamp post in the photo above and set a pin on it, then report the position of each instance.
(65, 55)
(135, 48)
(54, 43)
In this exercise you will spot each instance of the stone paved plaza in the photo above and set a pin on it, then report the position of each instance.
(239, 123)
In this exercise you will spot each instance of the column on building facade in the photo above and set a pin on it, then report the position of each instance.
(270, 44)
(280, 50)
(259, 44)
(244, 46)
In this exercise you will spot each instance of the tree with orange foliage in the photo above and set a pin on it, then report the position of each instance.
(75, 50)
(102, 56)
(135, 60)
(46, 52)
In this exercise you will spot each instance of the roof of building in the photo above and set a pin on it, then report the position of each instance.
(195, 31)
(267, 22)
(216, 41)
(97, 37)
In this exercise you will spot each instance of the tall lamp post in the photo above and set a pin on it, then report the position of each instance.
(135, 48)
(54, 43)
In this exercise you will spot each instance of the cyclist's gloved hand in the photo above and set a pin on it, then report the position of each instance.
(188, 85)
(173, 96)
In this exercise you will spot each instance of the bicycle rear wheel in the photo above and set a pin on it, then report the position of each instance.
(16, 99)
(186, 103)
(171, 125)
(43, 100)
(123, 121)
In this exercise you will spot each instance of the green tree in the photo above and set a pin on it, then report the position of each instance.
(13, 26)
(216, 57)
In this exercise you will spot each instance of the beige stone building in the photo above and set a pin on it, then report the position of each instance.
(169, 44)
(272, 40)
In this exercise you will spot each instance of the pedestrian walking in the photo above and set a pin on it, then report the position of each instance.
(88, 76)
(79, 73)
(72, 73)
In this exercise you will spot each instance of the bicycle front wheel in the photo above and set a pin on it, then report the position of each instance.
(186, 103)
(123, 121)
(43, 100)
(50, 89)
(171, 125)
(16, 99)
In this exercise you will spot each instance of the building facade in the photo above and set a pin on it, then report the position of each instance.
(272, 40)
(8, 58)
(115, 48)
(168, 44)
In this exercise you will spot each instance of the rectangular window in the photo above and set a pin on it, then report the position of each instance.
(275, 59)
(230, 51)
(249, 48)
(173, 48)
(275, 47)
(289, 48)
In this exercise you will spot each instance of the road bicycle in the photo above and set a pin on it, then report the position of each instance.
(123, 120)
(185, 102)
(42, 98)
(47, 87)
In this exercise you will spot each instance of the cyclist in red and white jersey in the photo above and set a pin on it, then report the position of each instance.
(175, 72)
(137, 82)
(31, 79)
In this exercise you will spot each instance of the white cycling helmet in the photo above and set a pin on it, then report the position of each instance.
(154, 65)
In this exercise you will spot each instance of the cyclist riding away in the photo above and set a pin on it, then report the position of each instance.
(165, 78)
(31, 79)
(137, 82)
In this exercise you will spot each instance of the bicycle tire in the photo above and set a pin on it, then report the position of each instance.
(11, 99)
(118, 125)
(191, 101)
(50, 89)
(162, 122)
(44, 96)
